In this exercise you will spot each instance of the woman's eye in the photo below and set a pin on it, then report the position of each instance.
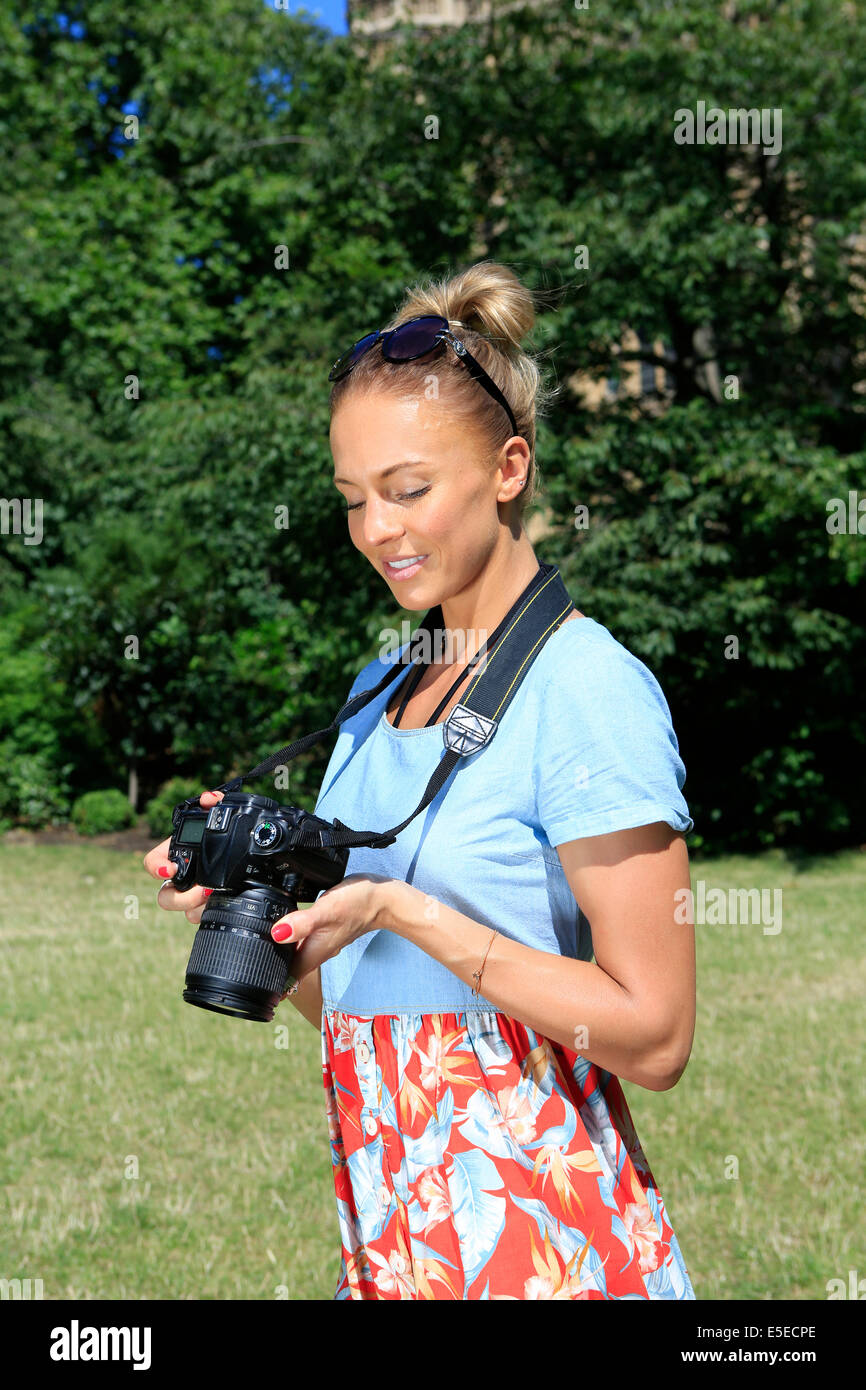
(401, 496)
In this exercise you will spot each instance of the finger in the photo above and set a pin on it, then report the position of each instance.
(304, 960)
(176, 899)
(289, 928)
(194, 914)
(157, 857)
(156, 861)
(171, 897)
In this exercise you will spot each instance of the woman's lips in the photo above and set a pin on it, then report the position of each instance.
(405, 571)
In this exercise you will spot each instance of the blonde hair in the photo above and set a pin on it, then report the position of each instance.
(491, 310)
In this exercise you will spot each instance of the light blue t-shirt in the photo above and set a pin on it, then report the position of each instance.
(585, 747)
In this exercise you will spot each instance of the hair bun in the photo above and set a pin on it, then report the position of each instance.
(486, 300)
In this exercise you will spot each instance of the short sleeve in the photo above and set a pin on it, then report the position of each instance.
(606, 754)
(368, 677)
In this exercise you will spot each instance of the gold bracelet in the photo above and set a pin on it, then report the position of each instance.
(476, 974)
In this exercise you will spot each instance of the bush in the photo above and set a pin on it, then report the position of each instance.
(37, 725)
(34, 791)
(159, 809)
(97, 812)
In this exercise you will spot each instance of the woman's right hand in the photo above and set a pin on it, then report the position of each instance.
(191, 901)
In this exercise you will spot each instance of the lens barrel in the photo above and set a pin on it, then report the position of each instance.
(235, 966)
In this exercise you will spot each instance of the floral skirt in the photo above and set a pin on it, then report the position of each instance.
(474, 1158)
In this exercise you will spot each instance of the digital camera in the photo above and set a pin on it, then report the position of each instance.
(261, 859)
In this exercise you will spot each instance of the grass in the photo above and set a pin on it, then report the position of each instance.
(153, 1150)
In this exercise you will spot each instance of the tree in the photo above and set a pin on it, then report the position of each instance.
(175, 296)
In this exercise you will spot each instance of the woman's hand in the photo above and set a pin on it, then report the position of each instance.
(191, 901)
(352, 908)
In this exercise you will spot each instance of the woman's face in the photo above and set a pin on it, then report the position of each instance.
(417, 485)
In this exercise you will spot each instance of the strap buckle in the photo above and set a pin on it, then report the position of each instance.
(465, 732)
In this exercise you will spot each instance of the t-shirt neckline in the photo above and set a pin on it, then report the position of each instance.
(432, 728)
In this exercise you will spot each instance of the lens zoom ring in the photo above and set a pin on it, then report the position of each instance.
(244, 960)
(235, 917)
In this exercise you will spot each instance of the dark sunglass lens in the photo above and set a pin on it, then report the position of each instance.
(350, 358)
(412, 339)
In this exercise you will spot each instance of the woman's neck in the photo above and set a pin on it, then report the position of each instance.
(478, 610)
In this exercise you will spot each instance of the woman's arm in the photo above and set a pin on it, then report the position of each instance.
(307, 998)
(630, 1011)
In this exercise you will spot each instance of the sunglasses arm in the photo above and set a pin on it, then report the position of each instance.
(476, 370)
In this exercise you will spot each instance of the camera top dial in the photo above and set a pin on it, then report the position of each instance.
(265, 834)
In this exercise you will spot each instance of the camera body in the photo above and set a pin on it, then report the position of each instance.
(260, 859)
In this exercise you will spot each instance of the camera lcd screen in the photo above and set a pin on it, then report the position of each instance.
(192, 830)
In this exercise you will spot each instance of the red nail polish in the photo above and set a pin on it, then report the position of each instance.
(207, 892)
(164, 872)
(283, 932)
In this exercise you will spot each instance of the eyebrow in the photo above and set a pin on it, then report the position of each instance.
(407, 463)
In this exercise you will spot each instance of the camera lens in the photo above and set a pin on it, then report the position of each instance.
(235, 966)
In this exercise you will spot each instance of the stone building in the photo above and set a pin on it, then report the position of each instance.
(378, 16)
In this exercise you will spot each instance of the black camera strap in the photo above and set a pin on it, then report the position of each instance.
(500, 665)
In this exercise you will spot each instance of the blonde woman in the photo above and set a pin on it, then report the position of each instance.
(482, 983)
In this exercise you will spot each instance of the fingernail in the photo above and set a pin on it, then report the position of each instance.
(164, 872)
(212, 793)
(207, 892)
(282, 932)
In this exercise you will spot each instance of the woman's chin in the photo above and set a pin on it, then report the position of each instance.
(412, 605)
(411, 594)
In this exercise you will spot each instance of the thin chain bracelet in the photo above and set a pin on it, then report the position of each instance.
(476, 974)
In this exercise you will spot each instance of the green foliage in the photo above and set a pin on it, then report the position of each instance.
(98, 812)
(158, 810)
(163, 386)
(722, 578)
(36, 761)
(35, 791)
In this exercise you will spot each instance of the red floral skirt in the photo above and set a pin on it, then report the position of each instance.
(474, 1158)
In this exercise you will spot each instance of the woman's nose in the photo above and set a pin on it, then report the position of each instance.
(380, 522)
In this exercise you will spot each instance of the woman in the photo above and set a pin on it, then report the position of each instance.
(474, 1019)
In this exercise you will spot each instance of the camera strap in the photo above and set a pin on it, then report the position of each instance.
(539, 611)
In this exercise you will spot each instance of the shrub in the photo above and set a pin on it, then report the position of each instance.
(159, 809)
(97, 812)
(34, 791)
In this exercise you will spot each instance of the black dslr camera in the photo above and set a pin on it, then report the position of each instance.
(261, 859)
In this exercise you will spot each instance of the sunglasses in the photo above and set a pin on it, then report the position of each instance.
(416, 338)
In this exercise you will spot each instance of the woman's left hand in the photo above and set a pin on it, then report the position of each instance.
(352, 908)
